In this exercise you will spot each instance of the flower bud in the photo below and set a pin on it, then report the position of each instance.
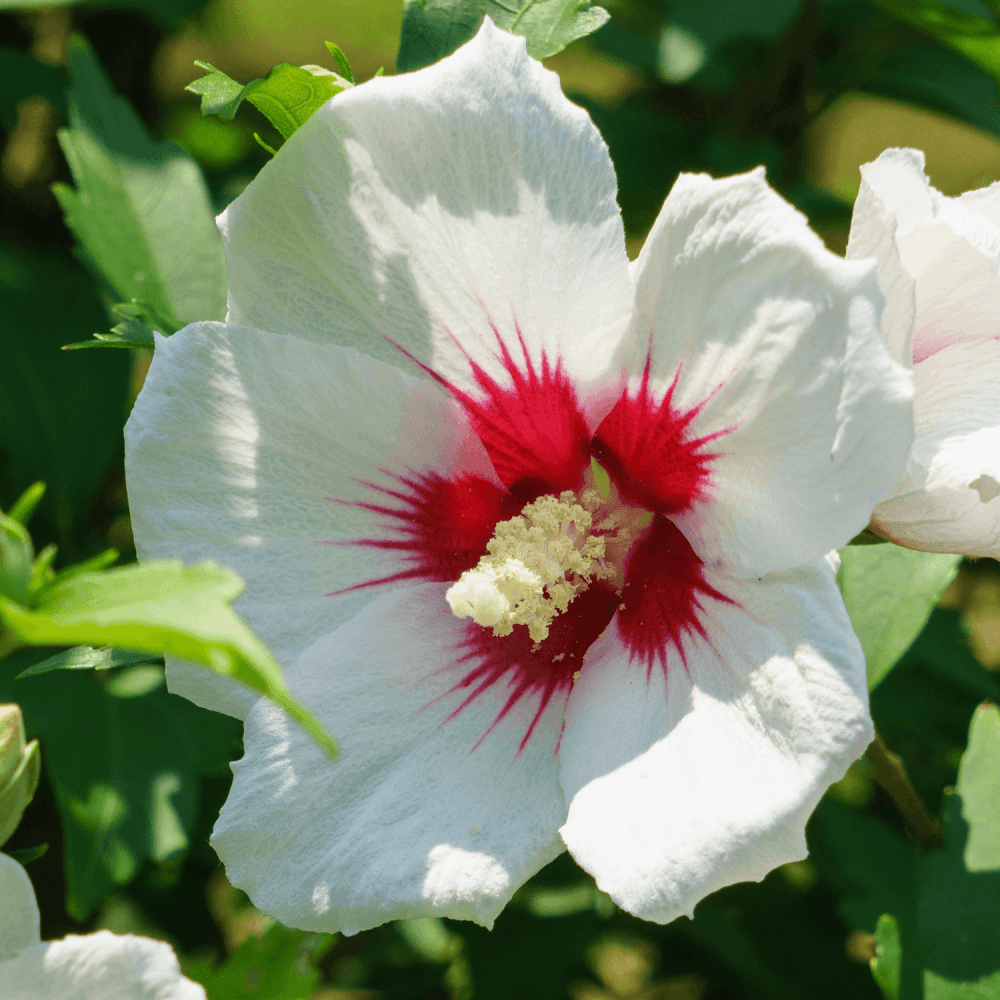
(20, 769)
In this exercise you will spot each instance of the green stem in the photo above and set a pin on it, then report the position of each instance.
(889, 772)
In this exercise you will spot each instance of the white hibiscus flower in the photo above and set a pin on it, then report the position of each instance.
(939, 260)
(652, 666)
(101, 966)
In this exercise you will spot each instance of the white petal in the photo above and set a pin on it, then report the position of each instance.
(413, 819)
(873, 234)
(19, 920)
(951, 247)
(423, 207)
(233, 450)
(101, 966)
(948, 500)
(679, 788)
(776, 340)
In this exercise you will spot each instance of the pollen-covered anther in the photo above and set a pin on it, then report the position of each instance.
(537, 563)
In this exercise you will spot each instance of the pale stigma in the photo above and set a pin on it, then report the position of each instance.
(536, 564)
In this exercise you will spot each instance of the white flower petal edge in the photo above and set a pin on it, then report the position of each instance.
(101, 966)
(680, 787)
(19, 919)
(233, 450)
(413, 819)
(949, 500)
(423, 207)
(950, 246)
(776, 340)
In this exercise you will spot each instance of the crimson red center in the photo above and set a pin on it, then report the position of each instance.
(534, 430)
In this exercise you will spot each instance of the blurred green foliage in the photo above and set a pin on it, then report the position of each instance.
(133, 777)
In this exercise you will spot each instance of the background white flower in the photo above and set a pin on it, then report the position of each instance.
(465, 216)
(101, 966)
(939, 261)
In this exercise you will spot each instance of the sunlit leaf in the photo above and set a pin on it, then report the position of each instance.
(974, 37)
(88, 658)
(277, 964)
(287, 96)
(140, 210)
(959, 886)
(160, 607)
(433, 29)
(887, 961)
(890, 593)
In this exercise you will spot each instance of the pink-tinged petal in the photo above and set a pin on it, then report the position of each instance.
(19, 920)
(685, 781)
(101, 966)
(873, 235)
(271, 454)
(949, 500)
(420, 815)
(773, 344)
(431, 207)
(950, 247)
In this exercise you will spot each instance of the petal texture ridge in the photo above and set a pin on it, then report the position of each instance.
(431, 208)
(948, 250)
(772, 344)
(949, 499)
(421, 815)
(705, 774)
(101, 966)
(19, 920)
(254, 450)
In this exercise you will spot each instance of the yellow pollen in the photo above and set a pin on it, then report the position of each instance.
(538, 562)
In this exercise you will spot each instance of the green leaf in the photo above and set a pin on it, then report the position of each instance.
(890, 593)
(61, 417)
(287, 96)
(23, 76)
(140, 211)
(959, 893)
(16, 559)
(433, 29)
(974, 37)
(133, 331)
(126, 772)
(160, 607)
(277, 964)
(887, 963)
(88, 658)
(342, 64)
(27, 503)
(28, 854)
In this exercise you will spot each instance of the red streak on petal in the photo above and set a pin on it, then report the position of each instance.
(533, 427)
(532, 674)
(648, 452)
(661, 601)
(440, 526)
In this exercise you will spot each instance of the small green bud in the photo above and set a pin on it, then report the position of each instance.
(20, 769)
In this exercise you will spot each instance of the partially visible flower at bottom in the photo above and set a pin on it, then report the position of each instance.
(101, 966)
(565, 590)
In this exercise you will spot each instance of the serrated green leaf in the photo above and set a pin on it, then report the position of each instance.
(88, 658)
(887, 963)
(277, 964)
(433, 29)
(140, 211)
(132, 331)
(974, 37)
(890, 593)
(959, 886)
(160, 607)
(287, 96)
